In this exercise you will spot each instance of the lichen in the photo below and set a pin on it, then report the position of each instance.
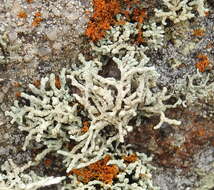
(84, 115)
(109, 104)
(194, 88)
(114, 171)
(16, 178)
(180, 10)
(49, 115)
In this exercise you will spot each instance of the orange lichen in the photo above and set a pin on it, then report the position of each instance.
(18, 94)
(48, 162)
(140, 39)
(201, 132)
(139, 15)
(87, 13)
(129, 3)
(38, 14)
(131, 158)
(102, 18)
(57, 82)
(36, 21)
(29, 1)
(22, 14)
(207, 13)
(97, 171)
(37, 83)
(198, 32)
(120, 22)
(85, 127)
(203, 62)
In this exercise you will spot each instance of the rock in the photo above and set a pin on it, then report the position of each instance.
(12, 36)
(1, 97)
(44, 51)
(52, 35)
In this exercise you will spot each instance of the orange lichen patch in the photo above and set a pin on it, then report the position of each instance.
(57, 82)
(203, 62)
(48, 162)
(22, 14)
(87, 14)
(207, 13)
(36, 21)
(18, 94)
(37, 83)
(29, 1)
(140, 39)
(97, 171)
(198, 32)
(38, 14)
(85, 127)
(131, 158)
(120, 22)
(201, 132)
(127, 14)
(102, 18)
(139, 15)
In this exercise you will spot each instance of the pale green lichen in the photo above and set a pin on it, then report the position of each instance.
(109, 103)
(154, 35)
(194, 88)
(180, 10)
(207, 182)
(17, 179)
(49, 116)
(117, 43)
